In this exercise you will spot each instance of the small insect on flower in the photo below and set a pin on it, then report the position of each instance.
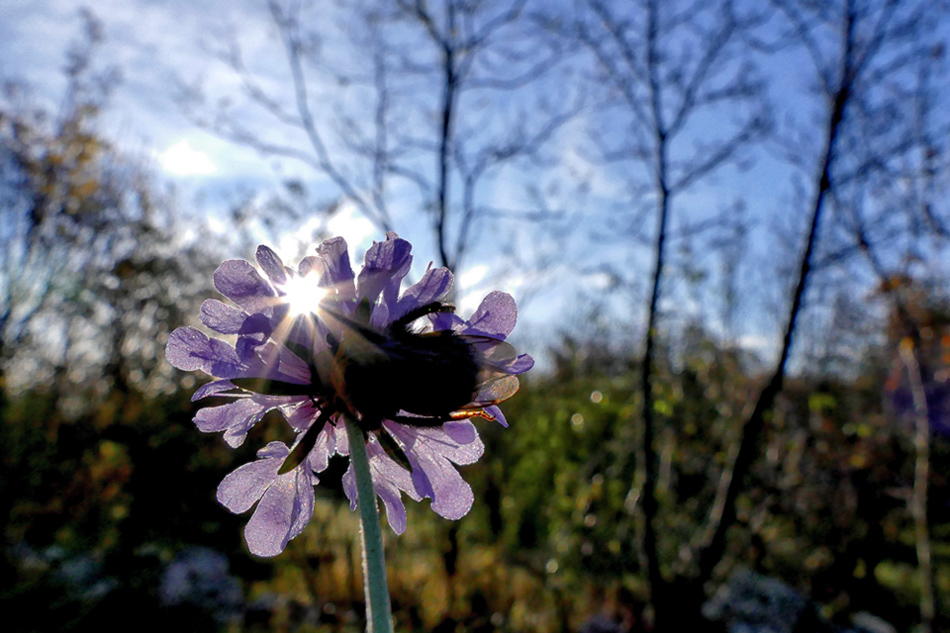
(418, 378)
(414, 378)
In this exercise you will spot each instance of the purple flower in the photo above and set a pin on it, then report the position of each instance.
(405, 368)
(936, 394)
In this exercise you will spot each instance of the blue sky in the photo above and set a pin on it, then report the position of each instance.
(158, 43)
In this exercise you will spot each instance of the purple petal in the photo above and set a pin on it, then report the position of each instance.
(221, 317)
(323, 448)
(389, 481)
(212, 388)
(447, 321)
(349, 486)
(288, 364)
(496, 316)
(286, 501)
(271, 265)
(384, 266)
(243, 487)
(310, 264)
(463, 433)
(327, 444)
(234, 418)
(271, 361)
(303, 507)
(433, 286)
(283, 512)
(380, 317)
(240, 282)
(431, 452)
(338, 275)
(248, 348)
(395, 508)
(523, 363)
(256, 326)
(451, 495)
(300, 415)
(190, 350)
(502, 356)
(495, 411)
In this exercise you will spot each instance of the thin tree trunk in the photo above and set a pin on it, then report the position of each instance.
(658, 587)
(918, 501)
(650, 505)
(723, 514)
(450, 84)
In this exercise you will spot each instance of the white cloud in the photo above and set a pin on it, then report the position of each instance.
(473, 275)
(216, 225)
(758, 344)
(355, 228)
(182, 159)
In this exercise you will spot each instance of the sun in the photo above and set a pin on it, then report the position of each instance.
(303, 294)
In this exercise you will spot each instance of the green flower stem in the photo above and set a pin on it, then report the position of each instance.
(379, 617)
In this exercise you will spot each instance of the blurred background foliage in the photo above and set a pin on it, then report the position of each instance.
(98, 502)
(107, 490)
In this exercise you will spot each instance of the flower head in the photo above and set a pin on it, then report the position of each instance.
(359, 352)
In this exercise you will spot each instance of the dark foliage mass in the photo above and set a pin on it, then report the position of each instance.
(99, 505)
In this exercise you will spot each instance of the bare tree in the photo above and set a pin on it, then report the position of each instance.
(53, 192)
(668, 65)
(893, 214)
(858, 49)
(428, 105)
(91, 274)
